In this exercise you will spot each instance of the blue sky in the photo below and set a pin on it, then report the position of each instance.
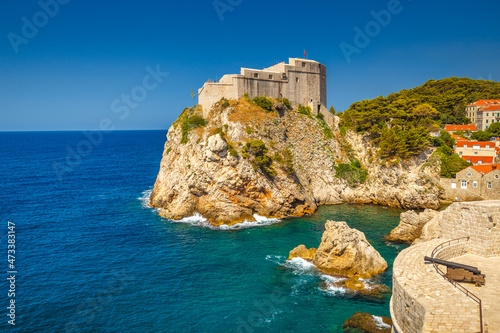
(87, 54)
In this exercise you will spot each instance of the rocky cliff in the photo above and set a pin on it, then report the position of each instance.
(411, 225)
(245, 160)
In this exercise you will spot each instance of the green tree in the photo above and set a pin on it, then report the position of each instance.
(332, 109)
(256, 152)
(494, 129)
(481, 136)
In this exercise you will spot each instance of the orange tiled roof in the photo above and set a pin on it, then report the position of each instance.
(484, 102)
(458, 138)
(484, 169)
(477, 159)
(481, 144)
(451, 128)
(492, 108)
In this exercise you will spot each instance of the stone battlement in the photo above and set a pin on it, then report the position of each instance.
(422, 301)
(301, 81)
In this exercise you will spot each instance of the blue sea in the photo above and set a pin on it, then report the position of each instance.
(91, 256)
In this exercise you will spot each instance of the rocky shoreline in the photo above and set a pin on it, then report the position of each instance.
(243, 160)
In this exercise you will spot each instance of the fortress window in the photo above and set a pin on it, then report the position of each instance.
(270, 77)
(255, 75)
(284, 76)
(303, 64)
(297, 79)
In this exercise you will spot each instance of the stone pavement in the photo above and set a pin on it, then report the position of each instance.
(489, 293)
(423, 301)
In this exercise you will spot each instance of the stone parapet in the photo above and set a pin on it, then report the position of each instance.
(422, 301)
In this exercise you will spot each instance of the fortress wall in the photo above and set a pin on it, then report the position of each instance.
(421, 299)
(407, 314)
(255, 88)
(479, 220)
(301, 81)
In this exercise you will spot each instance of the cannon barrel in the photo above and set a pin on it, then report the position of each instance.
(450, 264)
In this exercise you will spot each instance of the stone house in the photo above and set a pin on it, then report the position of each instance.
(476, 152)
(483, 113)
(474, 183)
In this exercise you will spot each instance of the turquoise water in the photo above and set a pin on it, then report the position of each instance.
(91, 257)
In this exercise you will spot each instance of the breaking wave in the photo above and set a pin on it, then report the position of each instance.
(380, 323)
(198, 220)
(144, 198)
(300, 266)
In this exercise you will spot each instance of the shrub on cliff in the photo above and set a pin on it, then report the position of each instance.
(451, 163)
(305, 110)
(264, 103)
(190, 122)
(255, 151)
(326, 130)
(285, 160)
(286, 103)
(352, 173)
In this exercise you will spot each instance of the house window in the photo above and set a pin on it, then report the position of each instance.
(469, 174)
(487, 114)
(453, 185)
(496, 176)
(460, 153)
(464, 184)
(270, 77)
(475, 153)
(296, 79)
(489, 185)
(474, 184)
(255, 75)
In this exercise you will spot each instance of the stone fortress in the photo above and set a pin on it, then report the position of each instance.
(301, 81)
(423, 301)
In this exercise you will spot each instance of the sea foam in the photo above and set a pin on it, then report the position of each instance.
(198, 220)
(380, 323)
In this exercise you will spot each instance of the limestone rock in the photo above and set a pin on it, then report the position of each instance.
(302, 252)
(431, 229)
(345, 251)
(410, 225)
(365, 322)
(204, 170)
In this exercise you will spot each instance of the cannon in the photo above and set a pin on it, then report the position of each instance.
(460, 272)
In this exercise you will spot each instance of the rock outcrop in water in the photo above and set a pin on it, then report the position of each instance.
(345, 251)
(410, 225)
(365, 322)
(302, 252)
(244, 160)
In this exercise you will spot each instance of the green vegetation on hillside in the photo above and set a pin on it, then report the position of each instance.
(400, 122)
(451, 163)
(492, 131)
(255, 151)
(190, 119)
(264, 103)
(352, 173)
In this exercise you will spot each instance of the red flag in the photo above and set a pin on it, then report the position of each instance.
(304, 53)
